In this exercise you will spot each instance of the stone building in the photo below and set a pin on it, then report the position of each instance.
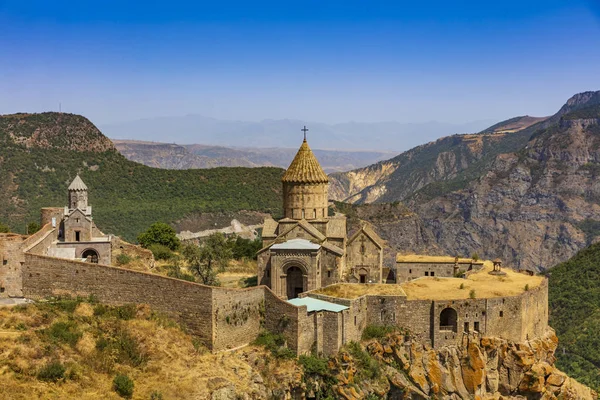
(78, 237)
(308, 248)
(409, 267)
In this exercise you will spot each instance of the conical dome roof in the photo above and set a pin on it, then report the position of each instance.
(77, 184)
(305, 168)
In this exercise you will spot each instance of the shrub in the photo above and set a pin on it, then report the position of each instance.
(156, 395)
(377, 331)
(123, 385)
(462, 286)
(472, 294)
(63, 332)
(527, 287)
(314, 365)
(475, 257)
(367, 367)
(52, 372)
(275, 343)
(160, 252)
(123, 259)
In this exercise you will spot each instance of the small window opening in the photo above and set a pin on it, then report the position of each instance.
(501, 313)
(432, 273)
(476, 326)
(77, 236)
(2, 290)
(426, 273)
(410, 271)
(466, 327)
(4, 262)
(355, 320)
(76, 219)
(329, 274)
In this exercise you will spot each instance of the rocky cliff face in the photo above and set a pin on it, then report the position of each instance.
(486, 368)
(530, 197)
(395, 367)
(439, 161)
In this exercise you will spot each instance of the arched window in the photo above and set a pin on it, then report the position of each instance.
(448, 319)
(90, 255)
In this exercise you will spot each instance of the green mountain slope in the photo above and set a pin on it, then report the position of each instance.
(41, 153)
(574, 296)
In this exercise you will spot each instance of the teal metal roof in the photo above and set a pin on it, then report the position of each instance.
(296, 244)
(317, 305)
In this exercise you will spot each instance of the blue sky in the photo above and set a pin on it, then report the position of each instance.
(327, 61)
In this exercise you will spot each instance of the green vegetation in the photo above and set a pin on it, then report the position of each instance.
(317, 369)
(473, 295)
(591, 228)
(52, 372)
(127, 197)
(63, 332)
(367, 366)
(32, 228)
(590, 112)
(574, 301)
(161, 234)
(4, 228)
(212, 256)
(161, 252)
(275, 343)
(123, 385)
(377, 331)
(123, 259)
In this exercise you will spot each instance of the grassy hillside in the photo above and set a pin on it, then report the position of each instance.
(74, 349)
(575, 314)
(35, 171)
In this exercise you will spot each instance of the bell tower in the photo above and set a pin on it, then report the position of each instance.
(78, 195)
(305, 186)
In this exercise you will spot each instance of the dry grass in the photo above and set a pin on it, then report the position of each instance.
(484, 285)
(233, 279)
(174, 367)
(355, 290)
(434, 288)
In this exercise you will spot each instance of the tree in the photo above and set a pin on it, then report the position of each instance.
(159, 233)
(32, 228)
(4, 228)
(205, 261)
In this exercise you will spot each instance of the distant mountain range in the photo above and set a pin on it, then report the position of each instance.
(174, 156)
(380, 136)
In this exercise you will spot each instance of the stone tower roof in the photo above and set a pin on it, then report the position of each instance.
(305, 168)
(77, 184)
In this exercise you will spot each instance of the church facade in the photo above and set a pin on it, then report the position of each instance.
(77, 236)
(308, 248)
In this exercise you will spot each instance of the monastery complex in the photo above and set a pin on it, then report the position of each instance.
(319, 285)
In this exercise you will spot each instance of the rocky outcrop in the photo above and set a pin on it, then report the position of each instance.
(482, 368)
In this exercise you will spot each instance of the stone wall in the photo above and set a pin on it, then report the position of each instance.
(406, 271)
(189, 303)
(237, 316)
(11, 257)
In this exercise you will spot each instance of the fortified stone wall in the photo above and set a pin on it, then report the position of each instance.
(11, 257)
(471, 314)
(187, 302)
(236, 316)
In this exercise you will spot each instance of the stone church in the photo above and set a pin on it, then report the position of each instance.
(78, 237)
(308, 248)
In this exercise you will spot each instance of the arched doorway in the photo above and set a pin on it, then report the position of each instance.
(90, 255)
(448, 319)
(294, 282)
